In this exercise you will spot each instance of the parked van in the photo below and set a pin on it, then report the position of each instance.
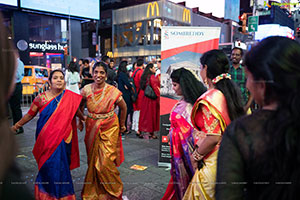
(34, 79)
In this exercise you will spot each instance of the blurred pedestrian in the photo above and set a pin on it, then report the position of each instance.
(9, 173)
(237, 72)
(125, 87)
(186, 85)
(149, 116)
(85, 73)
(157, 72)
(136, 75)
(262, 149)
(212, 112)
(111, 74)
(103, 141)
(56, 147)
(16, 97)
(72, 78)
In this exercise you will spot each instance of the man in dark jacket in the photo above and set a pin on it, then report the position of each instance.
(111, 74)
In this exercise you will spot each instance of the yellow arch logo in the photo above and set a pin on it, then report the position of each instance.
(152, 7)
(186, 16)
(110, 54)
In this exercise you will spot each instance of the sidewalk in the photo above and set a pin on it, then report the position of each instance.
(149, 184)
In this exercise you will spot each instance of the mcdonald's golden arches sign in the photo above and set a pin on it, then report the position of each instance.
(152, 6)
(186, 15)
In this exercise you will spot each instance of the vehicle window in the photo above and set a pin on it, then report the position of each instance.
(27, 72)
(41, 72)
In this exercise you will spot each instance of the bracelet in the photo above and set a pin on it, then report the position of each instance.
(198, 154)
(123, 127)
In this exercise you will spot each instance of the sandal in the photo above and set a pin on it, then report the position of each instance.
(139, 135)
(153, 137)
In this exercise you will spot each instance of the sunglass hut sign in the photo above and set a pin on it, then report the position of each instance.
(46, 46)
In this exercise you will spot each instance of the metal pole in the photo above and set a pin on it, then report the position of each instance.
(254, 14)
(70, 46)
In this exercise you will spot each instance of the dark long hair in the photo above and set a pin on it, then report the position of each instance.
(72, 67)
(146, 74)
(276, 61)
(122, 68)
(217, 63)
(52, 72)
(191, 87)
(100, 64)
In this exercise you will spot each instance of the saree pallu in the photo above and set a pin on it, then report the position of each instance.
(56, 148)
(213, 107)
(181, 149)
(103, 144)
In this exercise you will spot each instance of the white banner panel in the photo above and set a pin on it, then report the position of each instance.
(180, 47)
(177, 36)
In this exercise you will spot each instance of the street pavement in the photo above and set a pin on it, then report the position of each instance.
(149, 184)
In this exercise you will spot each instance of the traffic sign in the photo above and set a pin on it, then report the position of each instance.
(252, 23)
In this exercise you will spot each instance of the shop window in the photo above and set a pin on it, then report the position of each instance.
(41, 73)
(27, 72)
(44, 28)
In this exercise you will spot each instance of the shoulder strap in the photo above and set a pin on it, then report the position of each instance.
(135, 73)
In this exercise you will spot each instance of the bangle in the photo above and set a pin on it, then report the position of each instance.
(198, 154)
(123, 127)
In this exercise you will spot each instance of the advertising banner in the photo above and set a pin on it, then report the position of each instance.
(181, 46)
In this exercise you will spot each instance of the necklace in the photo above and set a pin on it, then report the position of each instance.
(101, 97)
(55, 96)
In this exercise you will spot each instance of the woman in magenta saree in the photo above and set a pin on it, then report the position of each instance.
(182, 132)
(56, 148)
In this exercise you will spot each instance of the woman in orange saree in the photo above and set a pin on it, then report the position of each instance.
(211, 114)
(103, 140)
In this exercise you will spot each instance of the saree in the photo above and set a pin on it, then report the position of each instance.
(181, 149)
(211, 114)
(103, 144)
(56, 147)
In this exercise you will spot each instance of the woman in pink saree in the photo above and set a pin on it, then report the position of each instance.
(182, 132)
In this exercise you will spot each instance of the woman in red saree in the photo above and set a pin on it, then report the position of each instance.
(103, 140)
(182, 132)
(56, 148)
(149, 116)
(211, 114)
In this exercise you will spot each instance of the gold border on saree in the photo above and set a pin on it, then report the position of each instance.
(100, 116)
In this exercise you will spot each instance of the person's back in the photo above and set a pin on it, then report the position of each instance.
(260, 152)
(111, 74)
(72, 78)
(252, 143)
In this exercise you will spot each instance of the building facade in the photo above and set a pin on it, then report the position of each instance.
(136, 30)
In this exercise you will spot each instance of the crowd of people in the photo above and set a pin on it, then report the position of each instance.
(220, 147)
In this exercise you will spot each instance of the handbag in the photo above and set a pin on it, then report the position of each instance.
(149, 92)
(133, 94)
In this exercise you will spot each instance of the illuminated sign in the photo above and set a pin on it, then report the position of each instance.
(152, 7)
(46, 46)
(186, 16)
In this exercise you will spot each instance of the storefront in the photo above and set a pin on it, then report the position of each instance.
(47, 54)
(137, 29)
(43, 31)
